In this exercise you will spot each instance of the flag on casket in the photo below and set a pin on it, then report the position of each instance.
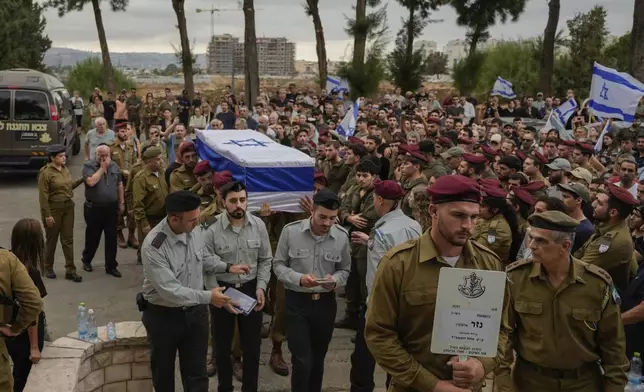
(273, 173)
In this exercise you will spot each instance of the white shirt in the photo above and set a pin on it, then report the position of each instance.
(470, 112)
(632, 189)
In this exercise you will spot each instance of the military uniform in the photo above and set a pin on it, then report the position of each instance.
(208, 209)
(168, 104)
(182, 178)
(488, 173)
(124, 157)
(149, 115)
(16, 284)
(494, 234)
(435, 168)
(134, 104)
(410, 187)
(336, 175)
(149, 191)
(55, 195)
(349, 183)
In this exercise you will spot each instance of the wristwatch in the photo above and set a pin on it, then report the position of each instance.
(228, 268)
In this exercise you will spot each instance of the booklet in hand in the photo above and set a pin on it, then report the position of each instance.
(245, 304)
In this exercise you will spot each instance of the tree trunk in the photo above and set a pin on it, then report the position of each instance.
(251, 63)
(409, 52)
(637, 44)
(186, 56)
(360, 38)
(320, 46)
(548, 54)
(108, 71)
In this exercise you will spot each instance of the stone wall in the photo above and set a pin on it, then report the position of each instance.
(73, 365)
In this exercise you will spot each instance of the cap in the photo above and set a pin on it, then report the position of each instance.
(327, 199)
(222, 178)
(448, 189)
(521, 194)
(416, 157)
(585, 148)
(181, 201)
(186, 146)
(493, 191)
(471, 158)
(388, 189)
(55, 149)
(622, 195)
(488, 150)
(539, 93)
(152, 152)
(445, 141)
(356, 140)
(553, 220)
(560, 164)
(496, 138)
(582, 174)
(453, 152)
(578, 189)
(511, 162)
(201, 168)
(320, 178)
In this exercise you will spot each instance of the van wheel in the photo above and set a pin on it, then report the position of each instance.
(76, 147)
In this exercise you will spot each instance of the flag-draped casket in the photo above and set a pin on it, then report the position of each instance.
(273, 173)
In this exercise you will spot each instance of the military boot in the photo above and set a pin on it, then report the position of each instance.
(277, 362)
(121, 239)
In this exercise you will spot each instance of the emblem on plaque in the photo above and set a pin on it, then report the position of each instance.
(472, 287)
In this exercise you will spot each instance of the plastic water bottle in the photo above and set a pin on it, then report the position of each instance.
(92, 329)
(634, 384)
(81, 316)
(111, 331)
(636, 365)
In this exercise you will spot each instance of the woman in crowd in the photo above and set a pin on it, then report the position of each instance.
(96, 109)
(149, 116)
(609, 151)
(198, 121)
(28, 245)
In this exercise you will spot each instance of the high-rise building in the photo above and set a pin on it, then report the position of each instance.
(276, 56)
(427, 46)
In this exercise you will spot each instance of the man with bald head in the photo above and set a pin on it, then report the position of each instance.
(104, 201)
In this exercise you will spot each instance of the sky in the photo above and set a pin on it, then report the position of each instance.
(149, 25)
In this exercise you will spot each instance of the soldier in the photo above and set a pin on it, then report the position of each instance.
(472, 166)
(392, 229)
(358, 213)
(204, 175)
(239, 235)
(611, 247)
(566, 325)
(149, 112)
(209, 214)
(400, 316)
(168, 103)
(16, 285)
(122, 153)
(354, 155)
(581, 155)
(154, 140)
(336, 170)
(149, 190)
(312, 259)
(412, 170)
(173, 299)
(433, 167)
(56, 190)
(134, 105)
(183, 178)
(497, 226)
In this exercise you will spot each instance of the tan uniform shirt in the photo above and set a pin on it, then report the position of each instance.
(410, 187)
(150, 190)
(55, 186)
(123, 155)
(182, 179)
(494, 234)
(336, 174)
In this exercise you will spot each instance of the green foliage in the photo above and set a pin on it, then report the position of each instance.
(178, 54)
(89, 74)
(23, 42)
(436, 63)
(365, 79)
(617, 54)
(405, 72)
(466, 73)
(65, 6)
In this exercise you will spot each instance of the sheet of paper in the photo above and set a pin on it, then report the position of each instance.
(469, 306)
(245, 303)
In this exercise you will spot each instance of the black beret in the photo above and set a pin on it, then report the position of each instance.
(327, 199)
(181, 201)
(55, 149)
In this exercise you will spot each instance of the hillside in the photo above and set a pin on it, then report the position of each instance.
(61, 57)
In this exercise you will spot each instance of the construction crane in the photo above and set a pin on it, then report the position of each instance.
(212, 11)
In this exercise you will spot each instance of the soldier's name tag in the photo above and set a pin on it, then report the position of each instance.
(491, 236)
(604, 245)
(468, 312)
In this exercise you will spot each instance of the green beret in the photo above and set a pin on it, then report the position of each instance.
(152, 152)
(553, 220)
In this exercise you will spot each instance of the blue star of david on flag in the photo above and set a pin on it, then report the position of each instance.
(604, 93)
(248, 143)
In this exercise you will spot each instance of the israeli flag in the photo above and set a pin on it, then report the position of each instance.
(565, 110)
(503, 88)
(614, 94)
(348, 125)
(554, 122)
(600, 140)
(333, 83)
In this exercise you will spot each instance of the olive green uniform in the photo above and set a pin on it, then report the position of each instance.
(611, 248)
(182, 179)
(149, 116)
(149, 191)
(410, 187)
(56, 190)
(488, 173)
(559, 335)
(168, 104)
(336, 175)
(400, 315)
(494, 234)
(124, 157)
(350, 182)
(435, 168)
(208, 209)
(16, 284)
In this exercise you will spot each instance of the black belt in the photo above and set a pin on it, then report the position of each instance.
(168, 309)
(238, 285)
(558, 373)
(100, 205)
(311, 296)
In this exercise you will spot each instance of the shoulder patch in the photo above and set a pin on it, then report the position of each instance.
(517, 264)
(158, 240)
(593, 269)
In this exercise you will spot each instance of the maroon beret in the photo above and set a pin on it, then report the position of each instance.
(355, 140)
(471, 158)
(522, 194)
(405, 148)
(416, 156)
(320, 178)
(434, 121)
(323, 139)
(323, 131)
(202, 168)
(569, 143)
(445, 141)
(388, 189)
(488, 150)
(585, 148)
(493, 191)
(186, 146)
(490, 182)
(465, 140)
(540, 157)
(622, 195)
(534, 186)
(520, 154)
(399, 138)
(454, 188)
(222, 178)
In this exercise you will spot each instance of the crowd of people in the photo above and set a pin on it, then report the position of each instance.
(419, 185)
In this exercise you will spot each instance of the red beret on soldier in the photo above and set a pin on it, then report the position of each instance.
(355, 140)
(622, 195)
(201, 168)
(445, 141)
(448, 189)
(320, 178)
(222, 178)
(521, 194)
(585, 148)
(186, 146)
(493, 191)
(490, 182)
(389, 190)
(540, 157)
(416, 157)
(488, 150)
(471, 158)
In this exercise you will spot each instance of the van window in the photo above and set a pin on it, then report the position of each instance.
(5, 104)
(31, 106)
